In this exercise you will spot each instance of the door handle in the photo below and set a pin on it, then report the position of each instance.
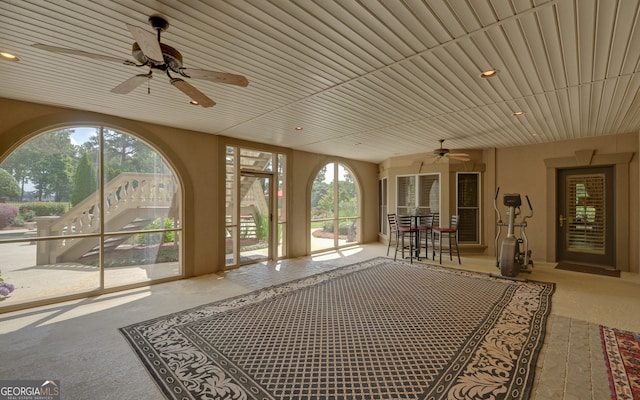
(561, 220)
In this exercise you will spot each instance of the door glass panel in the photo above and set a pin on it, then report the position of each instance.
(255, 218)
(141, 257)
(256, 160)
(382, 199)
(324, 229)
(35, 273)
(89, 198)
(231, 206)
(140, 194)
(334, 208)
(281, 209)
(255, 197)
(586, 218)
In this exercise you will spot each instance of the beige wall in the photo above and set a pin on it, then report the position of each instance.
(198, 159)
(530, 170)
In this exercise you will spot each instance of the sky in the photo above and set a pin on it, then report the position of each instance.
(81, 135)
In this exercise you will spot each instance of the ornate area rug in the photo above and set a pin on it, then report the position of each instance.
(374, 330)
(622, 354)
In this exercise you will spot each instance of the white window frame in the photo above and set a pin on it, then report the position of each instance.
(423, 209)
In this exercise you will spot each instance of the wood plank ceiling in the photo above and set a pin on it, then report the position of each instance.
(367, 79)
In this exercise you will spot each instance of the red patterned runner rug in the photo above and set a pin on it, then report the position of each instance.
(622, 354)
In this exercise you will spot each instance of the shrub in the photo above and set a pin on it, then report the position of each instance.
(343, 227)
(44, 209)
(18, 221)
(157, 237)
(7, 213)
(27, 215)
(6, 288)
(9, 187)
(262, 226)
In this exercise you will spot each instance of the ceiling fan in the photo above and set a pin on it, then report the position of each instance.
(148, 51)
(442, 152)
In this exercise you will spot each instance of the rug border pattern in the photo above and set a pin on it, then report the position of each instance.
(619, 383)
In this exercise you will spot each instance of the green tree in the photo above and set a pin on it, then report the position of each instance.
(44, 161)
(9, 187)
(126, 153)
(326, 203)
(19, 165)
(84, 182)
(319, 189)
(52, 177)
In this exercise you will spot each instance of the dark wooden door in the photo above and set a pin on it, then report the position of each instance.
(585, 221)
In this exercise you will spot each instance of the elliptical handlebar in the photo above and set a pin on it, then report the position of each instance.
(530, 208)
(499, 225)
(495, 205)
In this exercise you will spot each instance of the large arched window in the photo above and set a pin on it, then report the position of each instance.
(90, 208)
(335, 208)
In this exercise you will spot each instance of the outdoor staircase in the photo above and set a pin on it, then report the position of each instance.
(248, 227)
(252, 198)
(132, 201)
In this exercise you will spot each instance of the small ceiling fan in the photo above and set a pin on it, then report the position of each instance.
(442, 152)
(148, 51)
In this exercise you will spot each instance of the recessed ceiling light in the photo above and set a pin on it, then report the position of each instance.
(488, 73)
(298, 128)
(194, 103)
(518, 113)
(9, 56)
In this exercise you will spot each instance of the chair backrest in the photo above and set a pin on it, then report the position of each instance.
(454, 221)
(405, 221)
(393, 223)
(436, 220)
(427, 220)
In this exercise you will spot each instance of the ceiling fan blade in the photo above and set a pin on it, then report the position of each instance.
(81, 53)
(459, 156)
(193, 93)
(220, 77)
(131, 83)
(148, 42)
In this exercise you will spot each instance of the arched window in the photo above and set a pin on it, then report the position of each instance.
(94, 208)
(335, 208)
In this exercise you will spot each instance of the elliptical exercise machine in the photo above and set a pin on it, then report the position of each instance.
(514, 256)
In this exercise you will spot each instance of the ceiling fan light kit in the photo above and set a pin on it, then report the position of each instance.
(148, 51)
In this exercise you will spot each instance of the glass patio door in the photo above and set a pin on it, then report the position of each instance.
(255, 217)
(585, 219)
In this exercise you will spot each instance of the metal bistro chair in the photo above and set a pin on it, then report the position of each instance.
(406, 228)
(452, 233)
(425, 225)
(393, 231)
